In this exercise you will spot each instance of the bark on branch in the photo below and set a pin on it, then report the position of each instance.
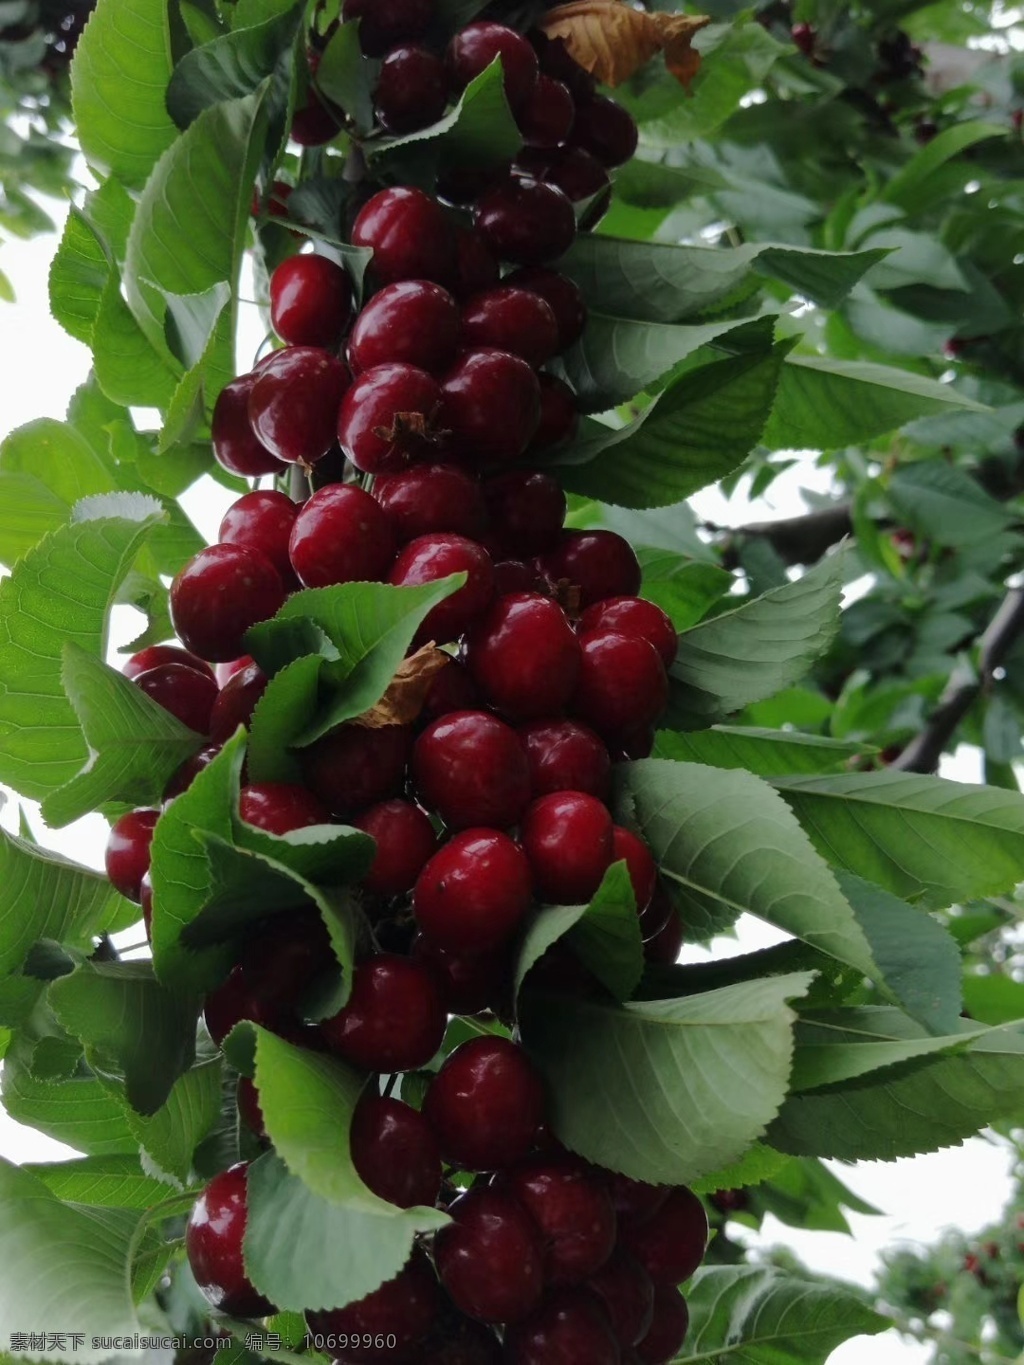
(796, 540)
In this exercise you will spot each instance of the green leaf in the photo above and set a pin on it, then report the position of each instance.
(944, 503)
(764, 752)
(170, 1137)
(755, 1315)
(230, 66)
(639, 1088)
(45, 467)
(698, 430)
(993, 998)
(906, 186)
(291, 697)
(82, 1112)
(118, 78)
(128, 369)
(79, 273)
(804, 1193)
(347, 78)
(62, 590)
(135, 746)
(745, 655)
(104, 1181)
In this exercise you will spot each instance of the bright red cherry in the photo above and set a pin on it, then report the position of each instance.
(560, 293)
(385, 23)
(471, 768)
(188, 695)
(155, 655)
(526, 509)
(430, 498)
(634, 616)
(412, 90)
(411, 322)
(491, 406)
(403, 1310)
(236, 446)
(622, 684)
(668, 1328)
(563, 755)
(310, 301)
(489, 1257)
(568, 840)
(640, 864)
(127, 856)
(525, 221)
(670, 1244)
(470, 983)
(354, 767)
(474, 893)
(559, 415)
(627, 1292)
(219, 594)
(224, 672)
(664, 945)
(600, 563)
(262, 521)
(571, 1207)
(513, 320)
(236, 702)
(213, 1243)
(476, 268)
(394, 1020)
(405, 841)
(450, 690)
(341, 535)
(485, 1105)
(280, 807)
(546, 117)
(395, 1151)
(570, 1325)
(184, 776)
(293, 405)
(428, 558)
(473, 49)
(606, 130)
(409, 234)
(389, 418)
(524, 656)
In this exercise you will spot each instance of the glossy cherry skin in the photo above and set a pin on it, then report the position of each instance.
(428, 558)
(155, 655)
(474, 893)
(559, 415)
(567, 837)
(560, 293)
(341, 535)
(491, 406)
(571, 1208)
(262, 521)
(412, 90)
(470, 982)
(310, 301)
(405, 1308)
(516, 575)
(634, 616)
(385, 23)
(622, 683)
(213, 1243)
(476, 267)
(409, 234)
(395, 1152)
(473, 49)
(524, 656)
(640, 864)
(471, 768)
(525, 221)
(394, 1020)
(665, 945)
(526, 508)
(405, 842)
(236, 702)
(188, 695)
(219, 594)
(575, 172)
(489, 1257)
(563, 755)
(546, 117)
(127, 855)
(224, 672)
(627, 1292)
(236, 446)
(668, 1328)
(432, 498)
(656, 914)
(600, 563)
(570, 1325)
(293, 405)
(606, 130)
(184, 776)
(389, 418)
(450, 690)
(411, 322)
(353, 767)
(670, 1244)
(280, 807)
(485, 1105)
(513, 320)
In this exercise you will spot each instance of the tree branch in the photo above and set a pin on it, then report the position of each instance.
(796, 540)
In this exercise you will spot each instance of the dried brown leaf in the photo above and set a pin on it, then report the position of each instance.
(402, 703)
(612, 40)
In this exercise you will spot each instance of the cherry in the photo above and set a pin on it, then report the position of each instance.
(489, 1257)
(219, 594)
(524, 656)
(634, 1200)
(236, 446)
(804, 36)
(474, 893)
(627, 1292)
(450, 690)
(471, 768)
(409, 234)
(559, 415)
(388, 418)
(556, 61)
(412, 90)
(146, 902)
(213, 1243)
(395, 1152)
(293, 405)
(463, 185)
(184, 776)
(668, 1327)
(127, 855)
(247, 1098)
(155, 655)
(656, 915)
(526, 221)
(491, 405)
(600, 563)
(622, 683)
(570, 1325)
(476, 268)
(560, 293)
(316, 122)
(280, 807)
(431, 498)
(640, 864)
(236, 702)
(572, 1209)
(277, 965)
(546, 117)
(515, 575)
(403, 1309)
(634, 744)
(405, 841)
(473, 49)
(513, 320)
(485, 1104)
(224, 672)
(429, 558)
(575, 172)
(470, 983)
(182, 691)
(353, 767)
(341, 535)
(605, 130)
(526, 509)
(567, 837)
(463, 1342)
(411, 322)
(310, 301)
(664, 945)
(670, 1244)
(383, 23)
(262, 521)
(394, 1020)
(563, 755)
(634, 616)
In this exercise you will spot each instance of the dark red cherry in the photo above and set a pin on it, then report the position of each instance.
(395, 1151)
(559, 415)
(513, 320)
(476, 268)
(280, 807)
(236, 446)
(293, 405)
(310, 301)
(278, 963)
(525, 221)
(627, 1292)
(470, 982)
(656, 915)
(219, 594)
(236, 702)
(394, 1020)
(250, 1111)
(576, 173)
(664, 946)
(556, 61)
(526, 509)
(485, 1105)
(622, 683)
(405, 841)
(570, 1325)
(225, 671)
(127, 856)
(428, 558)
(524, 656)
(606, 130)
(571, 1208)
(431, 498)
(546, 117)
(474, 893)
(639, 860)
(473, 49)
(634, 616)
(412, 90)
(563, 755)
(390, 1323)
(389, 418)
(213, 1244)
(600, 563)
(262, 521)
(560, 293)
(341, 535)
(489, 1257)
(462, 1341)
(669, 1325)
(450, 690)
(353, 767)
(670, 1244)
(182, 691)
(516, 575)
(567, 836)
(491, 406)
(385, 23)
(316, 122)
(409, 234)
(155, 655)
(411, 322)
(184, 776)
(471, 768)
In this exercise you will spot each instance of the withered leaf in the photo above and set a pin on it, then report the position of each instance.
(612, 40)
(403, 701)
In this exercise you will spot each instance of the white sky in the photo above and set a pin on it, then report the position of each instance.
(963, 1187)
